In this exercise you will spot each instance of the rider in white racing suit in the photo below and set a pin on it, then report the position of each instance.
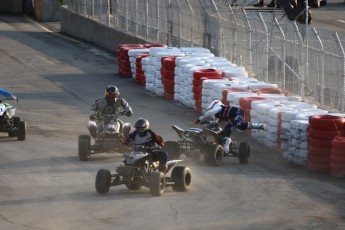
(142, 135)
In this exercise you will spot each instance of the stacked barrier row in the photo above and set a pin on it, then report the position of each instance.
(195, 77)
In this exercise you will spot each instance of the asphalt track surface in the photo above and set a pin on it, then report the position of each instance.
(43, 185)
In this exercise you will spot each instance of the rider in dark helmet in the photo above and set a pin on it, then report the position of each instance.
(142, 135)
(110, 104)
(234, 117)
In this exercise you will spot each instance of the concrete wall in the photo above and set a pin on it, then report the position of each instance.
(12, 6)
(47, 10)
(93, 31)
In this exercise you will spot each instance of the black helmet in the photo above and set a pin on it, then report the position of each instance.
(112, 92)
(141, 125)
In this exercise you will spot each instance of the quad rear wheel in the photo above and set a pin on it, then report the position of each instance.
(21, 132)
(182, 177)
(84, 142)
(244, 153)
(103, 181)
(157, 183)
(213, 154)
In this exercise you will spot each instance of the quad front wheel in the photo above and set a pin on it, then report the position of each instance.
(103, 180)
(182, 177)
(213, 155)
(21, 132)
(244, 153)
(84, 142)
(157, 183)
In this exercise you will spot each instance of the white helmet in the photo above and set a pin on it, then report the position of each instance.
(214, 104)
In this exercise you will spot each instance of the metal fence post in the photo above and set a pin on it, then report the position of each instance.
(341, 48)
(266, 49)
(250, 33)
(322, 70)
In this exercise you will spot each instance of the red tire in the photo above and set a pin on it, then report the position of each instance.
(169, 63)
(327, 122)
(324, 134)
(318, 143)
(197, 96)
(338, 142)
(168, 74)
(197, 90)
(230, 90)
(154, 45)
(269, 91)
(246, 102)
(207, 73)
(169, 96)
(319, 159)
(315, 151)
(336, 157)
(320, 168)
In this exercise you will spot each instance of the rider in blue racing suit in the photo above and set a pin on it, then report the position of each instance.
(231, 114)
(8, 94)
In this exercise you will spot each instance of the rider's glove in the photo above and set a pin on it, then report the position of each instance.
(197, 122)
(92, 117)
(129, 113)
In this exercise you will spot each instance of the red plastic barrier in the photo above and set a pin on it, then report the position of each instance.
(338, 157)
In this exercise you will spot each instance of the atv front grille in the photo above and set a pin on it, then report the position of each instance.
(186, 146)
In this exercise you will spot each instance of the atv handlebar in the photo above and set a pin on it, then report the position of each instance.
(112, 116)
(9, 99)
(146, 148)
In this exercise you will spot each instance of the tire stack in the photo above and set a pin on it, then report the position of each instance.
(268, 91)
(168, 76)
(225, 93)
(198, 77)
(140, 74)
(338, 157)
(322, 130)
(123, 58)
(148, 46)
(246, 105)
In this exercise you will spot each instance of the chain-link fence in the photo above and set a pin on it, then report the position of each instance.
(299, 58)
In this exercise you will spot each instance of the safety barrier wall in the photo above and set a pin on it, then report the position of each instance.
(299, 58)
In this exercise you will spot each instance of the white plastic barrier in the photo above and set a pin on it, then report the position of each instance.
(298, 143)
(132, 53)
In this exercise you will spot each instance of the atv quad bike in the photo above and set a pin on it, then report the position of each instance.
(139, 170)
(108, 140)
(206, 142)
(10, 124)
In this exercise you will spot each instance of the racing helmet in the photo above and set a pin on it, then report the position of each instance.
(141, 125)
(214, 104)
(112, 92)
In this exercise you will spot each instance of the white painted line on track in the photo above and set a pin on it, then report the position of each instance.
(343, 21)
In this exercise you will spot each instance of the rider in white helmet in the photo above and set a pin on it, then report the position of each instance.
(231, 114)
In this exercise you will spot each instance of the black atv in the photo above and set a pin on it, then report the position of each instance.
(206, 142)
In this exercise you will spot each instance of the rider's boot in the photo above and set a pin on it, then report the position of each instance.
(253, 125)
(226, 146)
(162, 168)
